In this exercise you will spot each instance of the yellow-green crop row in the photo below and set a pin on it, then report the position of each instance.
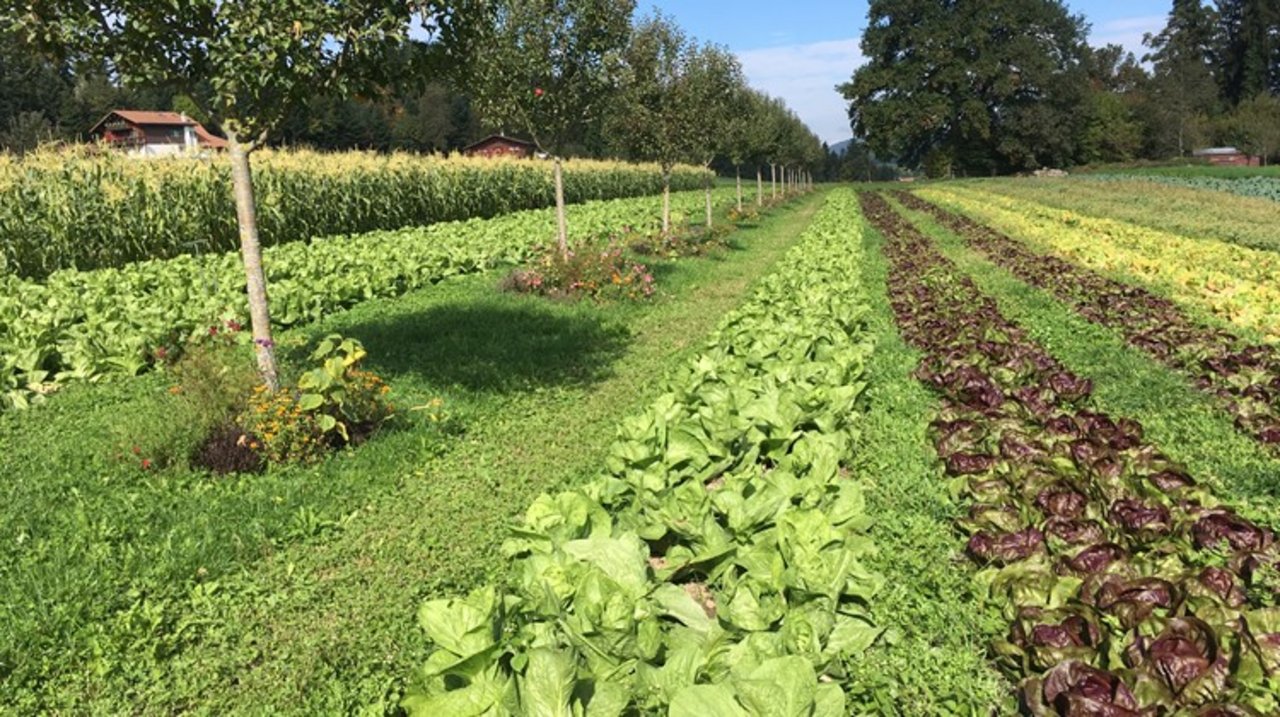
(81, 325)
(1195, 213)
(1235, 283)
(90, 209)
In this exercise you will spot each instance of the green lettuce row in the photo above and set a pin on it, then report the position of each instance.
(715, 567)
(81, 325)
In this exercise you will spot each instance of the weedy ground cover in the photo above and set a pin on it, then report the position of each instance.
(89, 210)
(1244, 377)
(165, 591)
(82, 325)
(932, 659)
(1127, 585)
(1208, 278)
(1193, 213)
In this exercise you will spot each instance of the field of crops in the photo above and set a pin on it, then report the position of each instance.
(1247, 186)
(94, 210)
(980, 447)
(80, 325)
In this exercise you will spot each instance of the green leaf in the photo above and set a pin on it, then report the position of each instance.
(705, 701)
(780, 687)
(624, 560)
(463, 627)
(548, 683)
(310, 401)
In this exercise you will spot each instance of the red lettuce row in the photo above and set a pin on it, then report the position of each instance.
(1244, 377)
(1129, 589)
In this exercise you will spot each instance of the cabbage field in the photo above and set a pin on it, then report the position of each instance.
(977, 447)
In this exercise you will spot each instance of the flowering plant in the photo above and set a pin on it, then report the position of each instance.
(335, 403)
(597, 272)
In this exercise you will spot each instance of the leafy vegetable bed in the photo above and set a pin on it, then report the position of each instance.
(1246, 377)
(1129, 589)
(82, 325)
(715, 567)
(1232, 282)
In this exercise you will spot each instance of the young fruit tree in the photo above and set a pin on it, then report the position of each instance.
(715, 78)
(244, 63)
(657, 109)
(547, 69)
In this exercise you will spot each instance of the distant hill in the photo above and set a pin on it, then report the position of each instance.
(841, 147)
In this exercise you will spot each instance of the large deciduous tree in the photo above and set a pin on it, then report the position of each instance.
(547, 69)
(986, 87)
(245, 63)
(1248, 49)
(1183, 90)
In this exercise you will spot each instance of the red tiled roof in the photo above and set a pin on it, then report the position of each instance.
(150, 117)
(209, 140)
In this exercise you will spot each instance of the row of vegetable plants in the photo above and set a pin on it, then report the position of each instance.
(87, 209)
(1261, 187)
(1129, 589)
(715, 567)
(1243, 375)
(81, 325)
(1194, 213)
(1234, 283)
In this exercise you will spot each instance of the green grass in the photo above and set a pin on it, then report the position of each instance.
(932, 660)
(294, 592)
(1180, 420)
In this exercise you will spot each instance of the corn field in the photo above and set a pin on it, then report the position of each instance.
(86, 209)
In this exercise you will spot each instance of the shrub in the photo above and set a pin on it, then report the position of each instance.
(596, 272)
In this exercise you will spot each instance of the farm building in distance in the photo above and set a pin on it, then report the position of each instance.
(154, 133)
(1229, 156)
(497, 145)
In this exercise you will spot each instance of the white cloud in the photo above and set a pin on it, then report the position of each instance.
(1127, 32)
(805, 76)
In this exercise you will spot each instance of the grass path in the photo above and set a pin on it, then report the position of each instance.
(1178, 418)
(320, 619)
(932, 660)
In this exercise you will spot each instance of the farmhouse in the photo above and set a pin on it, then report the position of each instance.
(154, 133)
(497, 145)
(1229, 156)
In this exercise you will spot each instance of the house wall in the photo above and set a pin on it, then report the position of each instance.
(1233, 160)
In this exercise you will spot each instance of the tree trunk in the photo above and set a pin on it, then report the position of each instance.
(773, 181)
(709, 220)
(251, 253)
(666, 200)
(562, 223)
(738, 173)
(759, 187)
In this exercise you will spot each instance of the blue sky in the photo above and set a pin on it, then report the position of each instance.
(800, 49)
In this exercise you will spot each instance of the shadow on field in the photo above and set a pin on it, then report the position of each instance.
(501, 347)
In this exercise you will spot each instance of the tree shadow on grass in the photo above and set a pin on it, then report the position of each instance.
(498, 347)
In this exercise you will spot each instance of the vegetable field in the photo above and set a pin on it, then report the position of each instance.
(975, 448)
(80, 325)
